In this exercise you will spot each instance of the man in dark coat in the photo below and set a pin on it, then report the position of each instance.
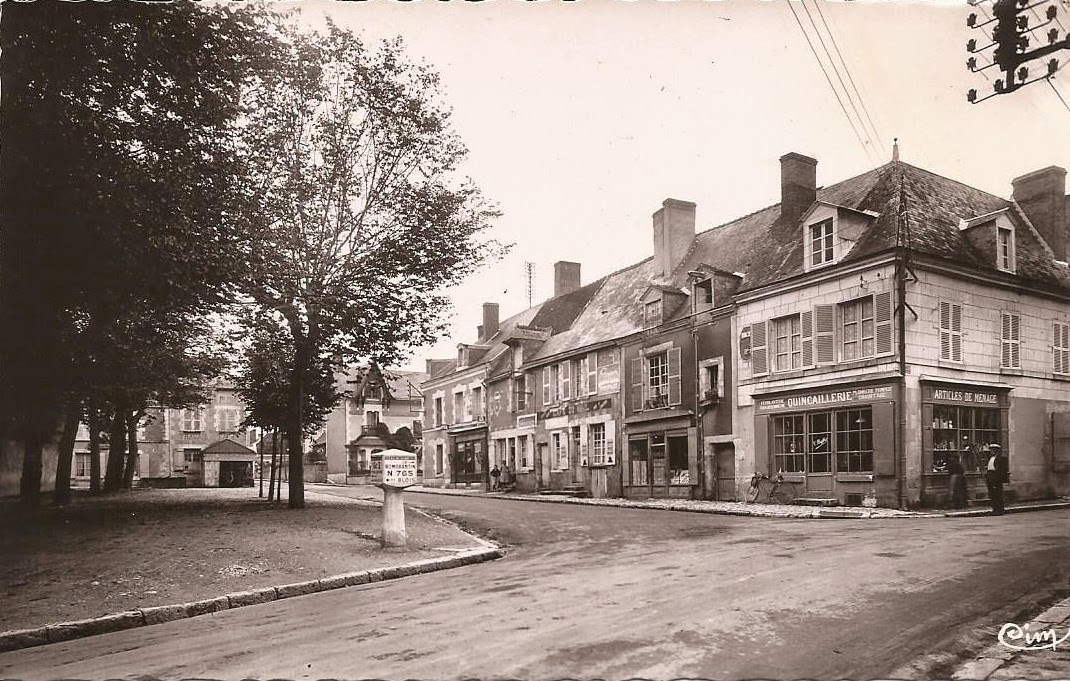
(996, 476)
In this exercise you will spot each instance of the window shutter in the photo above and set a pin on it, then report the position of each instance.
(693, 454)
(585, 449)
(945, 330)
(592, 373)
(1016, 341)
(545, 386)
(882, 323)
(956, 332)
(825, 334)
(675, 393)
(759, 353)
(637, 384)
(1010, 356)
(611, 445)
(566, 379)
(806, 322)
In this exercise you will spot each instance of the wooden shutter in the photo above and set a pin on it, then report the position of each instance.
(945, 330)
(806, 324)
(545, 386)
(675, 392)
(565, 383)
(884, 452)
(759, 353)
(883, 323)
(762, 434)
(926, 438)
(1010, 355)
(693, 456)
(956, 332)
(585, 449)
(592, 373)
(824, 334)
(611, 443)
(637, 384)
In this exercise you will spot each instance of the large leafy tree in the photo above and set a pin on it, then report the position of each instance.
(119, 192)
(362, 218)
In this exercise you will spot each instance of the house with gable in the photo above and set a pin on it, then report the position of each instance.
(899, 319)
(382, 409)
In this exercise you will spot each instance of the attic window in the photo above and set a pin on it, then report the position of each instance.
(1005, 249)
(652, 314)
(704, 293)
(822, 250)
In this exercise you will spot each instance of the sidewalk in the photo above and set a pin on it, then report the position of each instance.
(745, 509)
(1000, 662)
(153, 555)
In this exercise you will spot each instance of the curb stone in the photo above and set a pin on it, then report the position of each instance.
(65, 631)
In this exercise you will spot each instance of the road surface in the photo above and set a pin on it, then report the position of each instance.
(589, 591)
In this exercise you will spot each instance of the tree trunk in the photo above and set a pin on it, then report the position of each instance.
(295, 426)
(61, 494)
(132, 461)
(94, 449)
(113, 478)
(30, 484)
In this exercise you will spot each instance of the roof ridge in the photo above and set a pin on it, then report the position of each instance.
(951, 180)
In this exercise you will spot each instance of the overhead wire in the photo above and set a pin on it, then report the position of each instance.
(850, 78)
(835, 92)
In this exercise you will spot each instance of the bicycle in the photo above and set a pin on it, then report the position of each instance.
(770, 491)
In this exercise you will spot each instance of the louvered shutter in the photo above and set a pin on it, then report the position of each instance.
(806, 323)
(592, 373)
(585, 456)
(1004, 340)
(883, 324)
(675, 392)
(1010, 355)
(565, 372)
(759, 353)
(611, 442)
(825, 334)
(637, 384)
(545, 386)
(1016, 341)
(956, 332)
(945, 330)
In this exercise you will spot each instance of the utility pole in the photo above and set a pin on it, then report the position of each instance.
(529, 277)
(1011, 36)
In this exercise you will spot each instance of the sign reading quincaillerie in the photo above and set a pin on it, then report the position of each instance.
(830, 398)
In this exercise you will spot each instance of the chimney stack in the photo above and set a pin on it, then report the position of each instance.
(798, 185)
(674, 230)
(490, 321)
(566, 277)
(1042, 197)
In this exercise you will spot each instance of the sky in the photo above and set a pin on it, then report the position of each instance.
(581, 118)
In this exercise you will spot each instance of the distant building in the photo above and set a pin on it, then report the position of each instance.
(382, 410)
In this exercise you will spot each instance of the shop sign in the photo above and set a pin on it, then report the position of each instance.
(609, 378)
(573, 408)
(962, 395)
(829, 398)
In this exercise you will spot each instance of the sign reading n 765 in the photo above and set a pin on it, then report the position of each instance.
(399, 470)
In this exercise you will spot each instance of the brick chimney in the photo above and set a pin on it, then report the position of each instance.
(490, 321)
(798, 185)
(674, 230)
(1042, 196)
(566, 277)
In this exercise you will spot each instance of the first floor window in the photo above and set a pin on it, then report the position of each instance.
(950, 331)
(1010, 341)
(1061, 348)
(522, 445)
(857, 332)
(81, 465)
(596, 437)
(658, 378)
(191, 420)
(228, 420)
(191, 456)
(787, 343)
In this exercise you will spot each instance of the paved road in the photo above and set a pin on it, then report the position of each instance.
(613, 593)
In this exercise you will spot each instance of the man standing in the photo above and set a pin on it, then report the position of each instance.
(494, 474)
(995, 477)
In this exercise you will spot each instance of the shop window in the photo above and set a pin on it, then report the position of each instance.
(822, 244)
(857, 329)
(854, 441)
(511, 460)
(820, 438)
(522, 445)
(789, 448)
(1060, 348)
(596, 436)
(787, 343)
(950, 331)
(638, 462)
(1010, 341)
(966, 433)
(679, 474)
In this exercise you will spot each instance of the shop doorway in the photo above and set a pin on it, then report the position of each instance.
(658, 464)
(467, 462)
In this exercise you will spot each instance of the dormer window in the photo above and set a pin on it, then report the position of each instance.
(822, 250)
(652, 314)
(1005, 248)
(703, 295)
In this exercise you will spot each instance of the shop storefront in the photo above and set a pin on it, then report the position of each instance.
(835, 443)
(662, 459)
(468, 456)
(960, 422)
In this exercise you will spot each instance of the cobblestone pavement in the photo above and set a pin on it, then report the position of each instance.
(1049, 659)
